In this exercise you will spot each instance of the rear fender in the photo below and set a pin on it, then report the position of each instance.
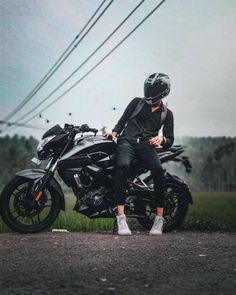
(178, 181)
(181, 183)
(37, 174)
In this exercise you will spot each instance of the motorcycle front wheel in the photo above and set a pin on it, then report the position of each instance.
(175, 208)
(21, 213)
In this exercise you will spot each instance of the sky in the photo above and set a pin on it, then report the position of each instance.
(193, 41)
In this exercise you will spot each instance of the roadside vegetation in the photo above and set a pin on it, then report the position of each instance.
(210, 211)
(212, 181)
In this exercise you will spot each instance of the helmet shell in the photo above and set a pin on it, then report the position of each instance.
(156, 87)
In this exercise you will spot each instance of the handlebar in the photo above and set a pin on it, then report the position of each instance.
(79, 129)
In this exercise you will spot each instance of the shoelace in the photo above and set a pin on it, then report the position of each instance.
(158, 223)
(122, 223)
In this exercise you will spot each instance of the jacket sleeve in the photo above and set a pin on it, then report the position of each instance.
(127, 113)
(168, 130)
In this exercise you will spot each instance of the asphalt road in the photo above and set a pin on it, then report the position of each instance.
(104, 263)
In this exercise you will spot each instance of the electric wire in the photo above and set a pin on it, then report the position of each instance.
(67, 52)
(81, 65)
(98, 63)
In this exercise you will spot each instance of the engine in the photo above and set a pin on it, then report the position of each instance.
(95, 197)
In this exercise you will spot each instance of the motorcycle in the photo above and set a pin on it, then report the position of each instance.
(32, 200)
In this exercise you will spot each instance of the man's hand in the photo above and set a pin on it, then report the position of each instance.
(157, 140)
(113, 135)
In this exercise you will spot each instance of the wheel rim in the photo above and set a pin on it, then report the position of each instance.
(24, 211)
(175, 203)
(173, 207)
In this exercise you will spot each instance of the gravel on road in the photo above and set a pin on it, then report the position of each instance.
(103, 263)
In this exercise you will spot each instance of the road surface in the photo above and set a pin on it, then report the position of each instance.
(103, 263)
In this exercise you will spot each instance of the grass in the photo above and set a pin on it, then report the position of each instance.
(210, 211)
(73, 221)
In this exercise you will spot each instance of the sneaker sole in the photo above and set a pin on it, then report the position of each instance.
(124, 234)
(155, 234)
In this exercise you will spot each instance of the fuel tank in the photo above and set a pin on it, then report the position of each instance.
(87, 150)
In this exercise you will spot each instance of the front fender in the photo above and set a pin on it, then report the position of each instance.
(31, 173)
(38, 173)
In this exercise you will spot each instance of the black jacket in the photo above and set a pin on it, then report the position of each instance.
(145, 124)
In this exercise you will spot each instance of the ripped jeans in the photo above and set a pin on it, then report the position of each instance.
(146, 153)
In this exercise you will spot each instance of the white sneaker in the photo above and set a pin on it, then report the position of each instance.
(157, 227)
(123, 228)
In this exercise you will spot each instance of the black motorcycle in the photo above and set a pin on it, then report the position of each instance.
(33, 199)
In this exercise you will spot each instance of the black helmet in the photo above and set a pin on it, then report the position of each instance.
(156, 87)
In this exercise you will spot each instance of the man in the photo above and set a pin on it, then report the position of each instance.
(138, 136)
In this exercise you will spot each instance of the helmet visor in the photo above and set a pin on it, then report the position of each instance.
(154, 90)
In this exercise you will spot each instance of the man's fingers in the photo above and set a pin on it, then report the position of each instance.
(111, 135)
(156, 142)
(153, 140)
(107, 134)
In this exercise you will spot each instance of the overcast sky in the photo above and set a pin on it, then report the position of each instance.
(193, 41)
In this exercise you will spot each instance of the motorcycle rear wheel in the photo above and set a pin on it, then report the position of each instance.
(21, 214)
(175, 208)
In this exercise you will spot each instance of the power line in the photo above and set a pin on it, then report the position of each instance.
(82, 64)
(97, 64)
(60, 60)
(53, 69)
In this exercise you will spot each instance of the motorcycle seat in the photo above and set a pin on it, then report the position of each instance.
(172, 149)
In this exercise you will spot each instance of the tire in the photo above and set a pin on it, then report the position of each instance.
(23, 216)
(175, 208)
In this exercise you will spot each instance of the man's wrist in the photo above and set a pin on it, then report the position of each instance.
(164, 140)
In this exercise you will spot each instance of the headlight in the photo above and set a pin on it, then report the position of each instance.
(44, 142)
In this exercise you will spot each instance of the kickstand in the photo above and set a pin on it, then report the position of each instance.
(115, 226)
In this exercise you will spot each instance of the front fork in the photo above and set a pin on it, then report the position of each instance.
(39, 187)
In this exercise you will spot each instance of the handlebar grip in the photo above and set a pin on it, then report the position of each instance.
(84, 128)
(79, 129)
